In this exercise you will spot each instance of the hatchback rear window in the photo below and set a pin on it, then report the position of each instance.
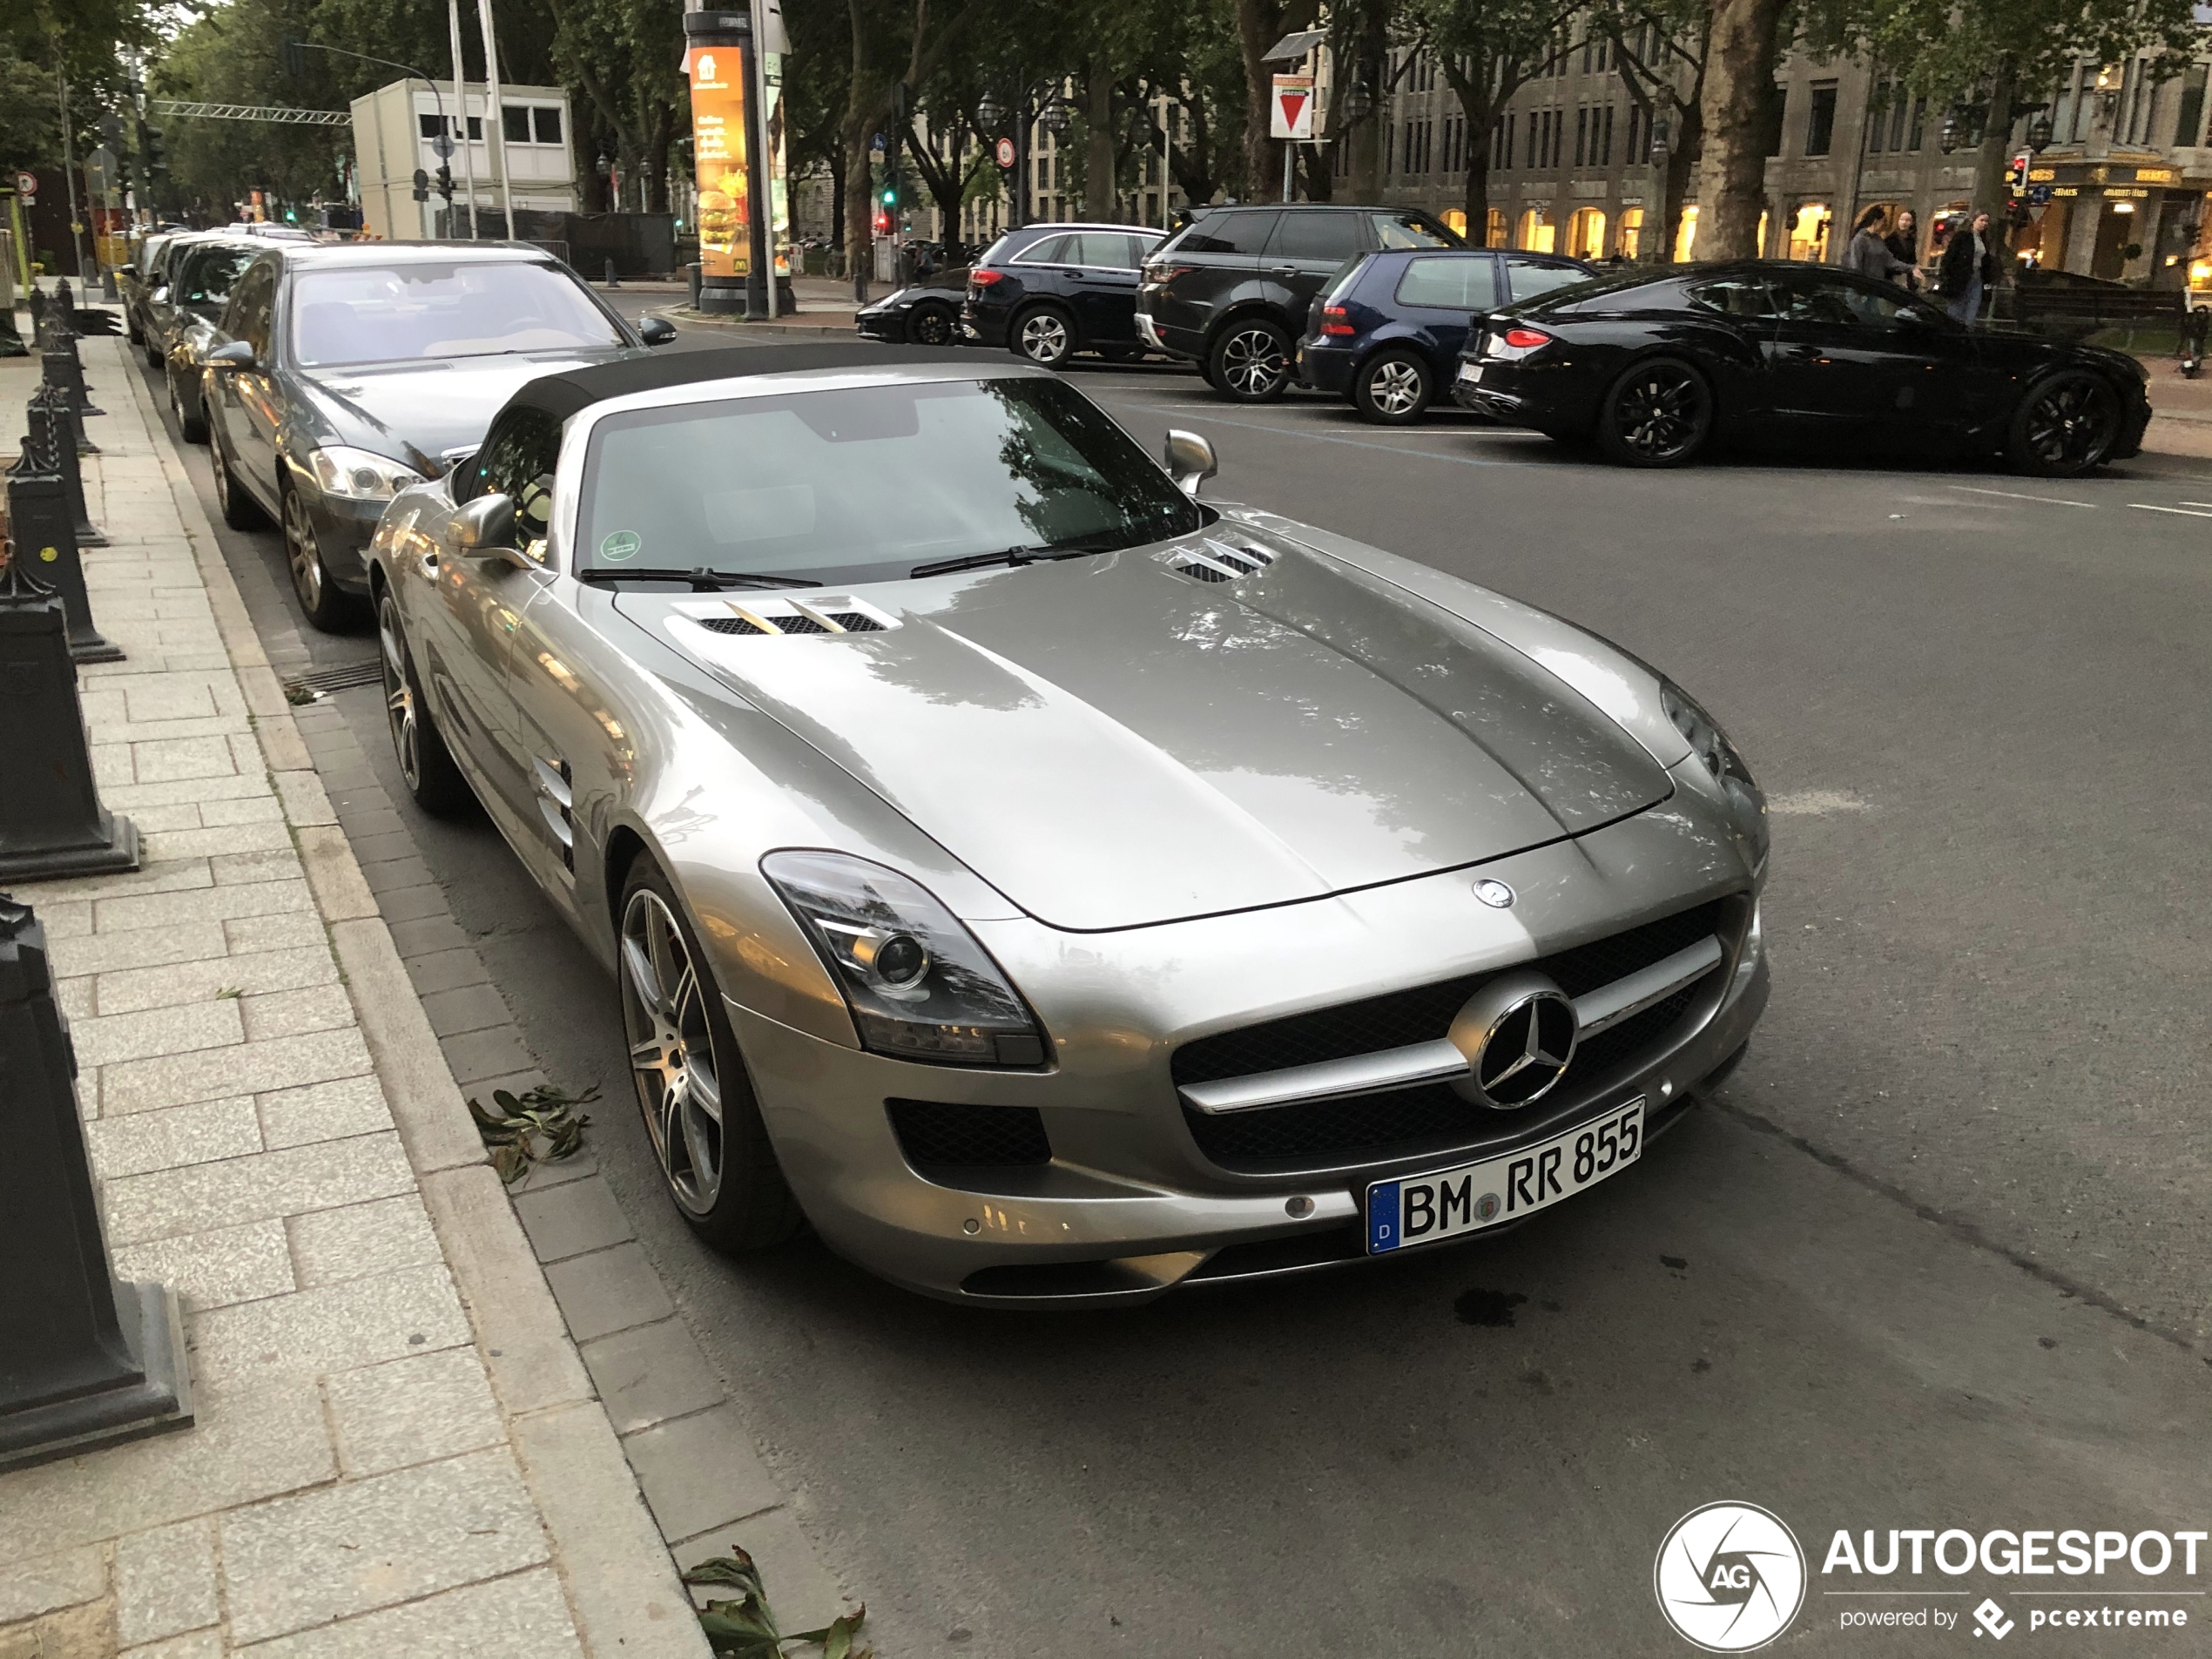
(1458, 282)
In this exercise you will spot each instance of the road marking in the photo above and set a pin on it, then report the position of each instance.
(1356, 443)
(2197, 503)
(1817, 803)
(2014, 495)
(2182, 512)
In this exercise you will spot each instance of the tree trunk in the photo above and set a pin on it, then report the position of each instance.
(1990, 161)
(1258, 27)
(1098, 142)
(1477, 200)
(837, 197)
(1365, 171)
(1317, 169)
(859, 220)
(1739, 87)
(1675, 179)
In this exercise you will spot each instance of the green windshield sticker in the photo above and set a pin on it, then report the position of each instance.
(620, 545)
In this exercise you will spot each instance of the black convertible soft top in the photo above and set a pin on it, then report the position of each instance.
(562, 394)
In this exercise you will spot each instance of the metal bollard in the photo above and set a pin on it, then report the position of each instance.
(37, 300)
(85, 1360)
(610, 275)
(45, 543)
(53, 431)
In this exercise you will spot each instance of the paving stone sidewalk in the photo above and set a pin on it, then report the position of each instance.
(398, 1449)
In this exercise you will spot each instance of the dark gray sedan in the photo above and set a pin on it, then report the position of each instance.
(339, 375)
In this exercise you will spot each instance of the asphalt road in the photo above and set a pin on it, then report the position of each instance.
(1935, 1257)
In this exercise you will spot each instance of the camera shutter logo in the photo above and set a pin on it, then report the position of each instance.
(1730, 1577)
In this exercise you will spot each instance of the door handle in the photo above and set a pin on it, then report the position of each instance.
(1284, 271)
(430, 565)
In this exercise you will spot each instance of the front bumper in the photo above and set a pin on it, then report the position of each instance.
(1129, 1207)
(885, 325)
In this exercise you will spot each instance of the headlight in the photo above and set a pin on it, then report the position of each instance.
(919, 984)
(358, 474)
(1711, 746)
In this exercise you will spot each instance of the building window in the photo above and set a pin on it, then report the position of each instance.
(1920, 122)
(1807, 232)
(1581, 129)
(1494, 230)
(1820, 120)
(1686, 237)
(1535, 235)
(1586, 233)
(545, 120)
(1630, 237)
(1635, 126)
(2190, 117)
(431, 125)
(1777, 112)
(514, 123)
(1607, 158)
(1535, 150)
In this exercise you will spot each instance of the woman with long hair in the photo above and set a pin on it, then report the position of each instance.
(1869, 254)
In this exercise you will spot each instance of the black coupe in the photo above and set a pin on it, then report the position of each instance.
(1659, 366)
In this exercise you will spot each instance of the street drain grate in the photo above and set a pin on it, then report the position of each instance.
(313, 688)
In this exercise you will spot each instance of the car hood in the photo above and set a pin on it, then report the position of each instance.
(1112, 743)
(416, 411)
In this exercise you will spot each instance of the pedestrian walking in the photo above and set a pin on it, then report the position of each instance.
(1969, 268)
(1904, 240)
(1869, 254)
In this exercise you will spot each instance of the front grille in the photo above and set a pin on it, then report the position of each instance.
(855, 622)
(795, 624)
(730, 625)
(1204, 573)
(1431, 1116)
(949, 1135)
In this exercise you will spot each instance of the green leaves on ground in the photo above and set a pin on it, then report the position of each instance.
(540, 1126)
(744, 1627)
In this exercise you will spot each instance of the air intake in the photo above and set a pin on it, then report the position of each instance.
(1215, 561)
(731, 625)
(842, 615)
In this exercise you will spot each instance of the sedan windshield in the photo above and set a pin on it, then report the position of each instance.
(208, 276)
(864, 483)
(460, 309)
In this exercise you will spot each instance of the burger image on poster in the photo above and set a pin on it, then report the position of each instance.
(718, 127)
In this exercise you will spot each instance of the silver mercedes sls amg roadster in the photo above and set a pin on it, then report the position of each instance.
(1047, 885)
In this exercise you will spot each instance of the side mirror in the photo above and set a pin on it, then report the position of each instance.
(486, 527)
(1190, 460)
(232, 354)
(160, 296)
(656, 331)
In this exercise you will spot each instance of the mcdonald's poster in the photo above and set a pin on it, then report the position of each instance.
(719, 150)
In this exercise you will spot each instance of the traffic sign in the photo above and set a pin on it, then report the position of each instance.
(26, 184)
(2038, 195)
(1004, 152)
(875, 144)
(442, 146)
(1290, 111)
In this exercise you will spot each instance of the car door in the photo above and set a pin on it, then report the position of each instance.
(1217, 262)
(1438, 293)
(250, 394)
(1105, 287)
(481, 598)
(1309, 246)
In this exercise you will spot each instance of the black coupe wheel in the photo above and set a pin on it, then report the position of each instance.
(2066, 426)
(1046, 335)
(1392, 388)
(425, 763)
(1657, 414)
(932, 326)
(705, 1129)
(326, 605)
(240, 511)
(1251, 361)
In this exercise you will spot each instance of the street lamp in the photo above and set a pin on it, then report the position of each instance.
(2039, 134)
(1054, 120)
(1948, 141)
(987, 113)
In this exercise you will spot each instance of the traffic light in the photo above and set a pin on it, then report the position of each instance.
(445, 183)
(890, 195)
(294, 55)
(421, 186)
(2016, 175)
(882, 222)
(157, 153)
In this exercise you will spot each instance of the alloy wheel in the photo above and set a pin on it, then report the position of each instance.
(2070, 424)
(399, 695)
(932, 327)
(1044, 337)
(222, 471)
(1659, 415)
(671, 1050)
(1253, 363)
(299, 549)
(1394, 388)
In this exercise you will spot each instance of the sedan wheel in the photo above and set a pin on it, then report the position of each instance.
(1045, 337)
(319, 597)
(1392, 389)
(698, 1109)
(240, 510)
(932, 326)
(432, 778)
(191, 428)
(1657, 414)
(2065, 426)
(1251, 362)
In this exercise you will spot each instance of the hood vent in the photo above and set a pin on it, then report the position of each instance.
(1214, 561)
(841, 615)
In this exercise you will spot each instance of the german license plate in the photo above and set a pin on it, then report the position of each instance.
(1470, 373)
(1424, 1209)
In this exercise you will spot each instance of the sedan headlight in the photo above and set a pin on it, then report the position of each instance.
(919, 984)
(359, 474)
(1711, 746)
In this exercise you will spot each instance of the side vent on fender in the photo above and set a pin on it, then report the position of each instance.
(843, 614)
(1217, 561)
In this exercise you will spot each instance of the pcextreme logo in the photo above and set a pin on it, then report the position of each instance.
(1730, 1577)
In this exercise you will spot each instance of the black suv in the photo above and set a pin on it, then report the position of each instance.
(1230, 292)
(1046, 292)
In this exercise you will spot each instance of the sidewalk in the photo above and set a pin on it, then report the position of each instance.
(2181, 418)
(398, 1451)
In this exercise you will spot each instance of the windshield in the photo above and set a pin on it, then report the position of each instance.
(460, 309)
(864, 483)
(208, 276)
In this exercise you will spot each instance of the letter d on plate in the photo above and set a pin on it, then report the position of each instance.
(1382, 1217)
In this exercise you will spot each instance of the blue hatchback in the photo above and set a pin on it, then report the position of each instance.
(1386, 331)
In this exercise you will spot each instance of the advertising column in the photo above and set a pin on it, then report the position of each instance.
(733, 254)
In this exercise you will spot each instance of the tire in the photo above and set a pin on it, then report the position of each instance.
(716, 1159)
(933, 326)
(1044, 335)
(1249, 361)
(321, 601)
(191, 428)
(425, 762)
(1660, 414)
(132, 332)
(1394, 388)
(240, 510)
(2066, 426)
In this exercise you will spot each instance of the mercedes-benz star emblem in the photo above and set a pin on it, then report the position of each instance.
(1494, 892)
(1518, 1034)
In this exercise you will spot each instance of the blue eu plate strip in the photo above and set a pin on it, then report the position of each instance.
(1382, 1217)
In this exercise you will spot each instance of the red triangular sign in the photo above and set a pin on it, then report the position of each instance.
(1292, 103)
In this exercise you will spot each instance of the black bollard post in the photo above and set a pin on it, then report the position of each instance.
(611, 282)
(51, 822)
(38, 523)
(85, 1360)
(53, 432)
(38, 302)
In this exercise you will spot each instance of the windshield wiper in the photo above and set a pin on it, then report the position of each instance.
(1008, 555)
(701, 579)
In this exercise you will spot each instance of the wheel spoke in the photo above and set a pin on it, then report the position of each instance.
(704, 1088)
(643, 979)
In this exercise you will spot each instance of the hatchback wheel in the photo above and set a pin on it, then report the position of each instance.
(1394, 388)
(1251, 361)
(705, 1129)
(2064, 427)
(425, 763)
(240, 510)
(1657, 414)
(932, 326)
(326, 606)
(1046, 335)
